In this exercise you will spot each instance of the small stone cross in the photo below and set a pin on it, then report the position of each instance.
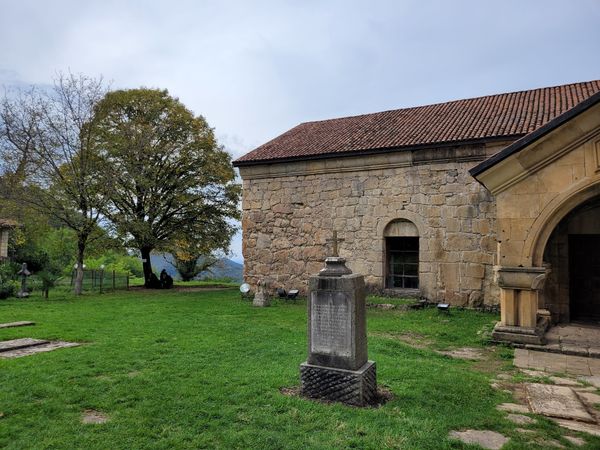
(335, 240)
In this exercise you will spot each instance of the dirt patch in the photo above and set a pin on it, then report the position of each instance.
(468, 353)
(414, 340)
(93, 416)
(519, 393)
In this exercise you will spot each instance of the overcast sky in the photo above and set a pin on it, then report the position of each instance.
(255, 68)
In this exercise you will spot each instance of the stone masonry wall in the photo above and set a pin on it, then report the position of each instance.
(290, 209)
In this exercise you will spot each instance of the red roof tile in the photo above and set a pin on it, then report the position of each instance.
(509, 115)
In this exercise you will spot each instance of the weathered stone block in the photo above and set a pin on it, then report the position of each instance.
(353, 387)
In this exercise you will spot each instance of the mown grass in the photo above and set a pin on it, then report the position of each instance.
(216, 282)
(390, 300)
(204, 370)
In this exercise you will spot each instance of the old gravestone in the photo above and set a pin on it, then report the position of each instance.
(261, 298)
(337, 368)
(23, 273)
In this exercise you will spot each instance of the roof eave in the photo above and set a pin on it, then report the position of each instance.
(535, 135)
(372, 151)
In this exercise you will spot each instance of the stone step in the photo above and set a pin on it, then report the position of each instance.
(564, 349)
(16, 324)
(15, 344)
(47, 347)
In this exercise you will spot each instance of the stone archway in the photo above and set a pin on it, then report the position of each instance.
(572, 252)
(561, 206)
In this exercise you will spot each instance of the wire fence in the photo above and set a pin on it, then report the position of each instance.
(102, 280)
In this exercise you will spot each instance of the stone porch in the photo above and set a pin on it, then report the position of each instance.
(577, 340)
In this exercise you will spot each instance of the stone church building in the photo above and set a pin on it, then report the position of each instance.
(486, 200)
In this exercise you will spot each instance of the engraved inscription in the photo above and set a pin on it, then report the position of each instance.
(330, 324)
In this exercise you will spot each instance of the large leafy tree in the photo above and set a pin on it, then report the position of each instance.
(48, 157)
(166, 178)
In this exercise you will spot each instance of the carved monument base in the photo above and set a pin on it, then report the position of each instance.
(353, 387)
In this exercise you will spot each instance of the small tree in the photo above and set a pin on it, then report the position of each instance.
(47, 138)
(165, 174)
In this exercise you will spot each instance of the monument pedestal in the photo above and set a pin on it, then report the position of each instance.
(337, 368)
(519, 305)
(353, 387)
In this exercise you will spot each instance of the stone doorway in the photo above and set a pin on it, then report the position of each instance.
(584, 270)
(572, 290)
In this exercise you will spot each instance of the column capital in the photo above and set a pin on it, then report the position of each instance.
(521, 278)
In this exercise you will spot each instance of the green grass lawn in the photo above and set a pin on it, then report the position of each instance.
(204, 370)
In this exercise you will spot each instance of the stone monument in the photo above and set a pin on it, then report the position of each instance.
(337, 367)
(261, 298)
(23, 273)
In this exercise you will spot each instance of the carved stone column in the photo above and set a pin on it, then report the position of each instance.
(519, 290)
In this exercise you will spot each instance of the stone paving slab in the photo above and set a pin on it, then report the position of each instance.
(16, 324)
(39, 348)
(484, 438)
(15, 344)
(520, 419)
(556, 362)
(513, 408)
(590, 397)
(534, 373)
(549, 443)
(556, 401)
(579, 426)
(576, 441)
(564, 381)
(593, 380)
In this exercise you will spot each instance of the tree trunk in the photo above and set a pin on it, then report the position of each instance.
(147, 266)
(78, 285)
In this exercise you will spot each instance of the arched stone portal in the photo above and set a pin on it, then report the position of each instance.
(572, 290)
(547, 191)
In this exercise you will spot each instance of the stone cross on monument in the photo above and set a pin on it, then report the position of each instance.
(334, 240)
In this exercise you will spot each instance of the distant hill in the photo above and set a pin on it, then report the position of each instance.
(224, 268)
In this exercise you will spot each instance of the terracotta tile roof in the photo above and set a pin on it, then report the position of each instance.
(509, 115)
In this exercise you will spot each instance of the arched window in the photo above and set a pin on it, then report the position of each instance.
(401, 255)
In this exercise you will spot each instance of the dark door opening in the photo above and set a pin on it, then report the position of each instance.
(402, 262)
(584, 274)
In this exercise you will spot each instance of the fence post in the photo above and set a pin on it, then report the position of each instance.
(72, 276)
(101, 279)
(114, 280)
(127, 281)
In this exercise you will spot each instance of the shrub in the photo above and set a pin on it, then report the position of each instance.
(8, 283)
(116, 261)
